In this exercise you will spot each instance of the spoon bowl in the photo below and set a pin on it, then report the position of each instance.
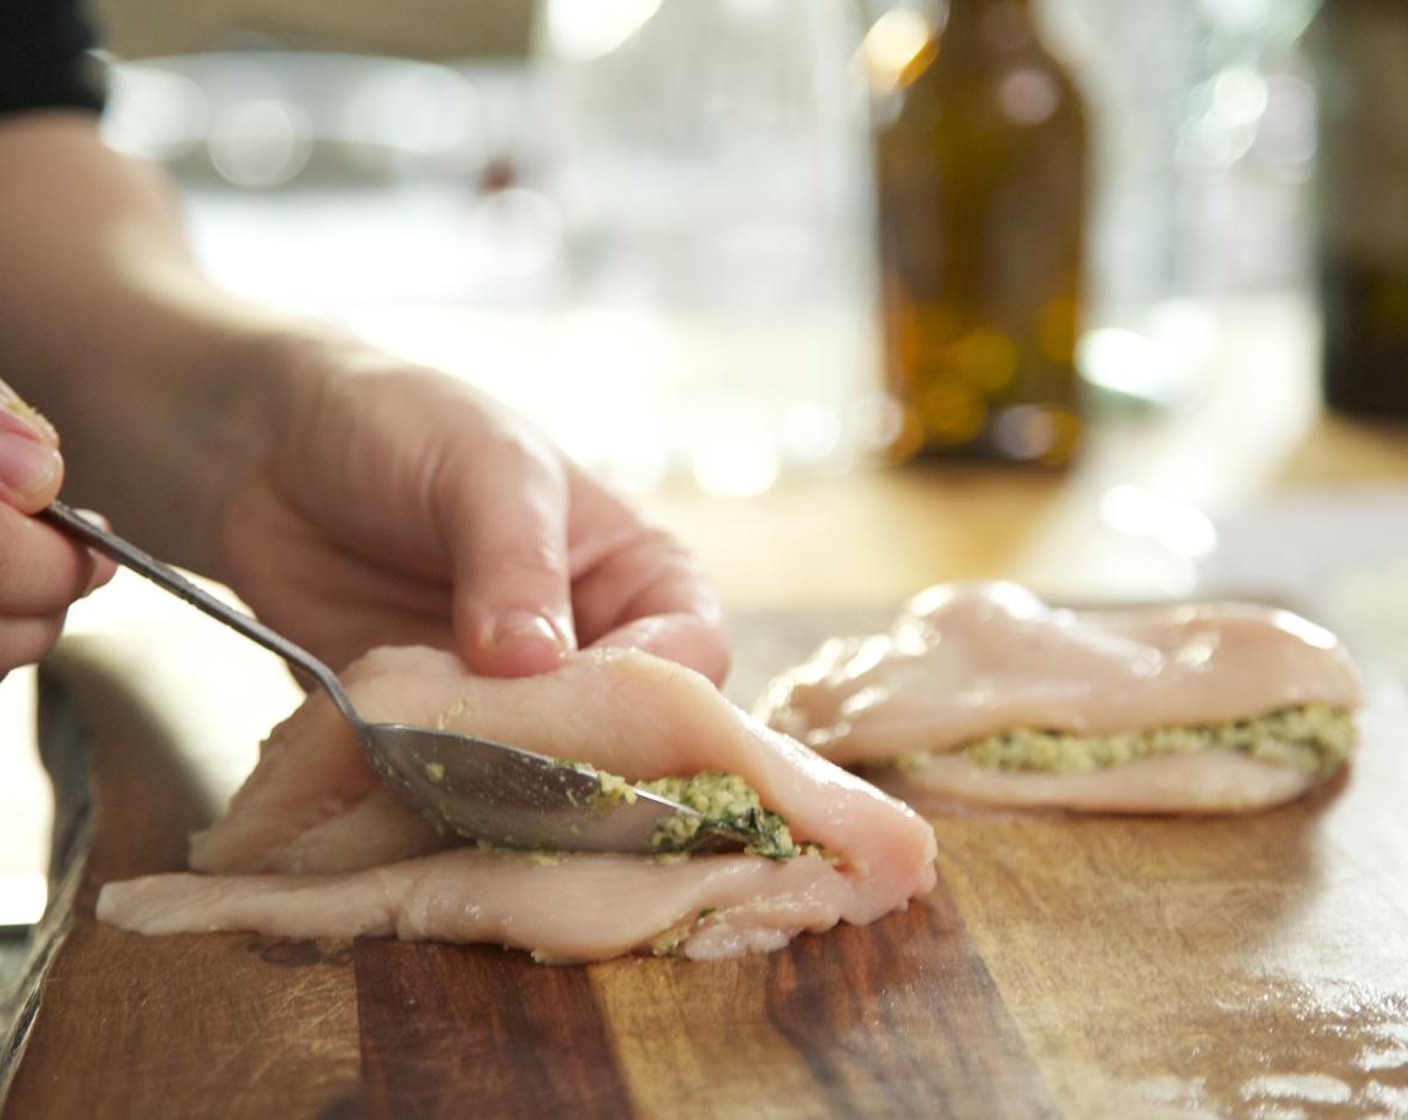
(537, 801)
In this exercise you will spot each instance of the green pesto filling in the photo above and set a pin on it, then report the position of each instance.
(727, 807)
(1316, 738)
(612, 789)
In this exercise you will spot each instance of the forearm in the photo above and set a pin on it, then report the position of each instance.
(165, 390)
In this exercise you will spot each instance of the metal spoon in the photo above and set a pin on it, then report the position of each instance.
(477, 788)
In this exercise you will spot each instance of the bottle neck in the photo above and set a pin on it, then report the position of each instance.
(987, 16)
(979, 5)
(1002, 23)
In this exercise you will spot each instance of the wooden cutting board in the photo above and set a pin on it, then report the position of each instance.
(1080, 967)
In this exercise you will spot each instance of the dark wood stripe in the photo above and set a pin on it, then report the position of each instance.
(451, 1031)
(902, 1019)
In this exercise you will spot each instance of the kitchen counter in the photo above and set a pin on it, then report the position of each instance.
(1064, 966)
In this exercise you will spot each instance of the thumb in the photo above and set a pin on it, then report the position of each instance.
(31, 468)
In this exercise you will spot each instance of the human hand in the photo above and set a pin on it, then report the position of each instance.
(350, 499)
(42, 572)
(401, 506)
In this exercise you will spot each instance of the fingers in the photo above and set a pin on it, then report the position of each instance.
(423, 481)
(24, 641)
(31, 468)
(508, 520)
(41, 570)
(41, 573)
(522, 602)
(641, 589)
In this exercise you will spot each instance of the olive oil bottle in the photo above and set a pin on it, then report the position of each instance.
(982, 196)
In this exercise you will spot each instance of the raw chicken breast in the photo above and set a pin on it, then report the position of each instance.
(315, 845)
(1212, 781)
(964, 663)
(563, 908)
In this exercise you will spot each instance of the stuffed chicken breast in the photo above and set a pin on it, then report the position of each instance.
(315, 845)
(984, 693)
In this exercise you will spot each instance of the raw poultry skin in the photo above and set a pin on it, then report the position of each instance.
(967, 662)
(314, 845)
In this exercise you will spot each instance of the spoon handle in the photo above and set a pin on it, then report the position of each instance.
(68, 521)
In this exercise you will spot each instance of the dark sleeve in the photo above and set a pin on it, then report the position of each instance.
(46, 58)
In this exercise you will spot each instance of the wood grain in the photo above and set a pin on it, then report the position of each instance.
(448, 1029)
(230, 1025)
(898, 1019)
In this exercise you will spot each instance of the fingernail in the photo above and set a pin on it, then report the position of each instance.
(29, 469)
(517, 626)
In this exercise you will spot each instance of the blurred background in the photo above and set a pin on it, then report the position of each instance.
(685, 188)
(693, 191)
